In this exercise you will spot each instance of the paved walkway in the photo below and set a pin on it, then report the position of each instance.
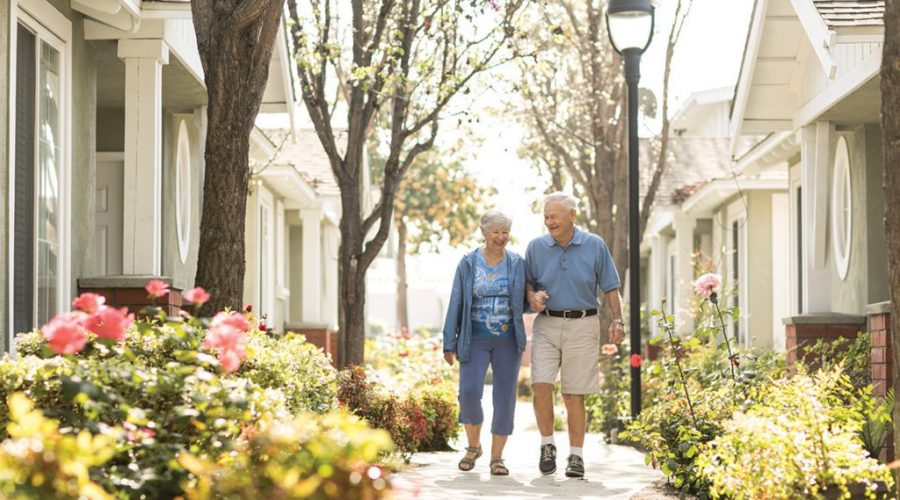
(611, 471)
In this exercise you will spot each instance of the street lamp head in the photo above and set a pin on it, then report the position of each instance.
(629, 24)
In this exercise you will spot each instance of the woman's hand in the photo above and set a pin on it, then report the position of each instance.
(449, 356)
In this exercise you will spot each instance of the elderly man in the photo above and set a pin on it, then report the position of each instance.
(564, 271)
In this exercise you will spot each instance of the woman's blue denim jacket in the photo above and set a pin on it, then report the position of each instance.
(458, 325)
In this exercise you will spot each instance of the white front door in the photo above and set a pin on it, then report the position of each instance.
(108, 214)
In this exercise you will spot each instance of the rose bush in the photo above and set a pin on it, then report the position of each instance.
(171, 388)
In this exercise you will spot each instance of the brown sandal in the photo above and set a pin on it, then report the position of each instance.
(498, 468)
(467, 464)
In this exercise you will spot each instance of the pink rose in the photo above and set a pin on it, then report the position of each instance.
(65, 333)
(231, 319)
(609, 349)
(227, 334)
(231, 359)
(707, 285)
(88, 302)
(157, 288)
(110, 323)
(197, 296)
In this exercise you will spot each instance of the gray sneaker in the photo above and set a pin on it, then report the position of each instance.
(575, 467)
(548, 459)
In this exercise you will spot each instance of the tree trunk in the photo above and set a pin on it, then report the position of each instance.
(402, 305)
(890, 115)
(352, 283)
(235, 45)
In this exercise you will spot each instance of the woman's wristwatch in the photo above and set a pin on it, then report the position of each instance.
(618, 322)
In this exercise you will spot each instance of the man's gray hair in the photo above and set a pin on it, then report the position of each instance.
(567, 200)
(495, 219)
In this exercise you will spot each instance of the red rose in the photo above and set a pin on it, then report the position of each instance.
(636, 361)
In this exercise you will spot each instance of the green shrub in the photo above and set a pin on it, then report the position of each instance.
(673, 441)
(37, 461)
(853, 355)
(311, 456)
(168, 394)
(666, 428)
(523, 384)
(295, 366)
(795, 442)
(424, 419)
(183, 406)
(441, 411)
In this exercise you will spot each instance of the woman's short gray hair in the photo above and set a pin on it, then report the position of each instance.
(567, 200)
(495, 219)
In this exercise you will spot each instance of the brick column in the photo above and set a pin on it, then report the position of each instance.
(807, 329)
(128, 291)
(882, 360)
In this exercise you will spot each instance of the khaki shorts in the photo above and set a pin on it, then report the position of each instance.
(570, 348)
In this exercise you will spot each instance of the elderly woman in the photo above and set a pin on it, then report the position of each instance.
(484, 328)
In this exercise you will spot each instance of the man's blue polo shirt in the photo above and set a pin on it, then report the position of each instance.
(571, 275)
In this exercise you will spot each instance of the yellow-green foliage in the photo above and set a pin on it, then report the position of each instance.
(313, 456)
(39, 462)
(798, 440)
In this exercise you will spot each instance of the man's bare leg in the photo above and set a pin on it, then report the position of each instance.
(576, 418)
(543, 408)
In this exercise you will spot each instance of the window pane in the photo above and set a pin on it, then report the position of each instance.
(48, 183)
(23, 224)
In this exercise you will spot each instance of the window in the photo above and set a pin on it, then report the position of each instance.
(38, 184)
(183, 191)
(841, 209)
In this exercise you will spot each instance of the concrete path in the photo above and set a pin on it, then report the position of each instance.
(611, 471)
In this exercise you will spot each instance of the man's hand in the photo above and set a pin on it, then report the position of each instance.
(617, 331)
(449, 356)
(537, 300)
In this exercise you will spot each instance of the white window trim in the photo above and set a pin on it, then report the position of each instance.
(183, 229)
(841, 181)
(265, 293)
(743, 302)
(796, 247)
(50, 24)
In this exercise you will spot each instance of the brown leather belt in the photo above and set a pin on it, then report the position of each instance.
(570, 314)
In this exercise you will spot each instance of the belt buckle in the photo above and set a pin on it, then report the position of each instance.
(566, 314)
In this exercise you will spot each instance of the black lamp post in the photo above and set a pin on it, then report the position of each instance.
(629, 24)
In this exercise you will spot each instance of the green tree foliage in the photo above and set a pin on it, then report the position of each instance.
(440, 202)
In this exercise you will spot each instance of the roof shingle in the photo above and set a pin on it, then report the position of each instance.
(304, 151)
(851, 12)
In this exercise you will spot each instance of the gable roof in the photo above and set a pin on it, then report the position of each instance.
(851, 12)
(305, 153)
(693, 161)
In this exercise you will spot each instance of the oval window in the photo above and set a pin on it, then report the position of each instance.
(183, 191)
(841, 208)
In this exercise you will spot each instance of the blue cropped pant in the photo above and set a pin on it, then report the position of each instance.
(502, 354)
